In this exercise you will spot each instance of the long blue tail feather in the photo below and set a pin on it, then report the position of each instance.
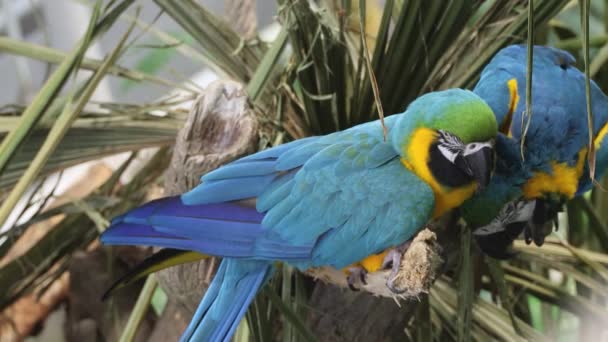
(219, 229)
(173, 206)
(137, 234)
(226, 301)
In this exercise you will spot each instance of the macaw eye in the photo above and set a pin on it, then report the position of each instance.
(475, 147)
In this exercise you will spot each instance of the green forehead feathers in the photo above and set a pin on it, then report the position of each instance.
(457, 111)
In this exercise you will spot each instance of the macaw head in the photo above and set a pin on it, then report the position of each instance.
(446, 138)
(554, 167)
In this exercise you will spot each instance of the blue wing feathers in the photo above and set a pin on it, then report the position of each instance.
(275, 152)
(228, 190)
(297, 157)
(387, 210)
(559, 128)
(326, 197)
(243, 169)
(325, 157)
(278, 190)
(380, 154)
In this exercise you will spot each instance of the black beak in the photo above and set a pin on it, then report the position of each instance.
(478, 165)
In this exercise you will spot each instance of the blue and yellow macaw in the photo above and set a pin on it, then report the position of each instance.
(322, 201)
(526, 195)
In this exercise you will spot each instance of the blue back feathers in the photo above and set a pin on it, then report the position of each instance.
(557, 132)
(558, 129)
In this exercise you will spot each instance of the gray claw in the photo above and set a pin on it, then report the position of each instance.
(393, 256)
(556, 223)
(356, 274)
(528, 233)
(393, 260)
(391, 286)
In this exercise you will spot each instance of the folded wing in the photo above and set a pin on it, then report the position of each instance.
(329, 200)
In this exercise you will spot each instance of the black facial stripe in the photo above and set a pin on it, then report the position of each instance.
(445, 171)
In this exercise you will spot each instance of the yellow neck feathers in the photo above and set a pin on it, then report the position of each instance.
(418, 158)
(562, 180)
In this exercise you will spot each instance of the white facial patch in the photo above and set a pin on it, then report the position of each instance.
(448, 153)
(512, 212)
(475, 147)
(449, 145)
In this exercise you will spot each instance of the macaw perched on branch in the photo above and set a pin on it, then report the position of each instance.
(322, 201)
(526, 195)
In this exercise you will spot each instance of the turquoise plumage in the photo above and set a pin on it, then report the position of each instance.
(333, 186)
(322, 201)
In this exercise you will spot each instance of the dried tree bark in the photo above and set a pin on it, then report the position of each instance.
(339, 314)
(220, 128)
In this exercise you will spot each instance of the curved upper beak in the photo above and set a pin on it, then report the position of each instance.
(478, 161)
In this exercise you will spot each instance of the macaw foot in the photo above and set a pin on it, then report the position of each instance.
(356, 275)
(543, 220)
(536, 232)
(392, 261)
